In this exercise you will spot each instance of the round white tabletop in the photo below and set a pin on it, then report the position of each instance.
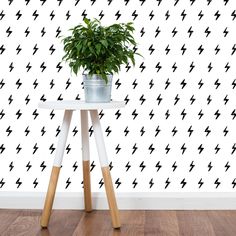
(80, 105)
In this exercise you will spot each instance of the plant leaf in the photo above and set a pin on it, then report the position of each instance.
(104, 43)
(86, 21)
(98, 48)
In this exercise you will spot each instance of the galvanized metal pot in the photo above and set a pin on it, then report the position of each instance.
(96, 89)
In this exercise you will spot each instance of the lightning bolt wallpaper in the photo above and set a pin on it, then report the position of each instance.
(177, 131)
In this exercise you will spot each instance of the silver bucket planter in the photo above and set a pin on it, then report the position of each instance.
(96, 89)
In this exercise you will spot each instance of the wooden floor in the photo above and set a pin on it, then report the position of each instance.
(134, 223)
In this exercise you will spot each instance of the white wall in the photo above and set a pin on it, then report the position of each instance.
(14, 95)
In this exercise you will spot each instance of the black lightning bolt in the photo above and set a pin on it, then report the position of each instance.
(126, 131)
(158, 166)
(127, 166)
(43, 166)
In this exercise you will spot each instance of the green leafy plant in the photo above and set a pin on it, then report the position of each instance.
(98, 49)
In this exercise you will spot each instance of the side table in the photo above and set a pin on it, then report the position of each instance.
(92, 108)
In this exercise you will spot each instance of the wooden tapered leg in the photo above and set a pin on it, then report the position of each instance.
(56, 169)
(87, 186)
(86, 161)
(105, 169)
(111, 197)
(50, 196)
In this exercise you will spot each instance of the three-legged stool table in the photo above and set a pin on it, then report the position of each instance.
(92, 108)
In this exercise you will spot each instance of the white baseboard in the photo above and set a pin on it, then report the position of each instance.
(126, 201)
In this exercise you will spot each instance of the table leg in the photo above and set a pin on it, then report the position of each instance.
(56, 169)
(105, 169)
(86, 161)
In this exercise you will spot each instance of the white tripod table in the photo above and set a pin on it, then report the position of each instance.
(92, 108)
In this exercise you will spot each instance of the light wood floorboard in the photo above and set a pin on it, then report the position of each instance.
(134, 223)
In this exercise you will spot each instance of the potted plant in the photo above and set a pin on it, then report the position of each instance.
(99, 51)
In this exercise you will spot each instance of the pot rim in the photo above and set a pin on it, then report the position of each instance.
(96, 77)
(96, 74)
